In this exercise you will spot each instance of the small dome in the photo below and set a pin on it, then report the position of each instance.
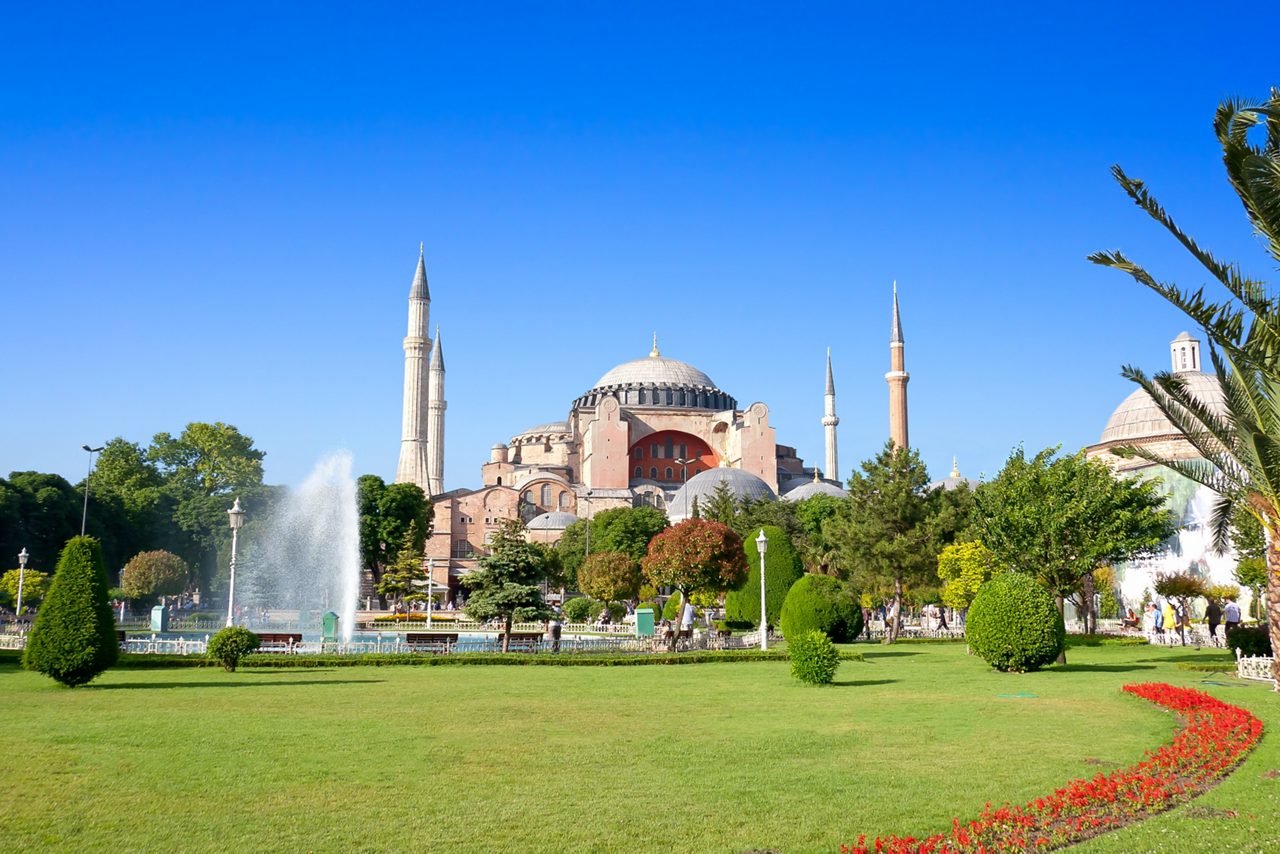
(1138, 418)
(702, 486)
(812, 488)
(553, 521)
(498, 446)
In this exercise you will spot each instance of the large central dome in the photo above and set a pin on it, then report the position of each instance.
(660, 382)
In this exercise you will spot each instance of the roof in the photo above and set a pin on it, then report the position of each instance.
(420, 289)
(702, 486)
(812, 488)
(551, 427)
(553, 521)
(1138, 418)
(656, 370)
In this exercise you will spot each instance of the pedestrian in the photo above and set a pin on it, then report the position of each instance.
(1213, 616)
(1157, 619)
(1170, 617)
(1230, 616)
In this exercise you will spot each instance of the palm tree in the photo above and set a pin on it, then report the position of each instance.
(1240, 449)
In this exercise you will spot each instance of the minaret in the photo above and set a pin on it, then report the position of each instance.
(829, 422)
(413, 436)
(435, 419)
(897, 379)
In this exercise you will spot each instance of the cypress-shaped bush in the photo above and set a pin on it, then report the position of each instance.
(1014, 624)
(820, 603)
(814, 658)
(74, 636)
(782, 568)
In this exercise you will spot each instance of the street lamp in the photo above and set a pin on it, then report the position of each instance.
(762, 543)
(587, 498)
(22, 574)
(236, 517)
(84, 516)
(684, 478)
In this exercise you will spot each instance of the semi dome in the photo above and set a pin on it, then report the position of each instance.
(702, 487)
(1138, 418)
(553, 521)
(812, 488)
(660, 382)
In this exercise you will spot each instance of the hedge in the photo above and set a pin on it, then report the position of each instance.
(823, 604)
(782, 568)
(1014, 624)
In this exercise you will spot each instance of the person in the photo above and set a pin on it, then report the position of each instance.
(686, 619)
(1230, 616)
(668, 636)
(1157, 618)
(942, 617)
(1130, 620)
(1170, 621)
(1213, 616)
(553, 632)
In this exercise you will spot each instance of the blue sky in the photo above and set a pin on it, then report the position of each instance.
(213, 213)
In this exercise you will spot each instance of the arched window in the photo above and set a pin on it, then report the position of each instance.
(653, 472)
(668, 472)
(654, 451)
(564, 501)
(639, 472)
(546, 495)
(499, 481)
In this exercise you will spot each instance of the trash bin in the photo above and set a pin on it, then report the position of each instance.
(644, 622)
(329, 625)
(159, 619)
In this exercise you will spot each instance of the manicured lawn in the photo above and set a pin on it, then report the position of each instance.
(716, 757)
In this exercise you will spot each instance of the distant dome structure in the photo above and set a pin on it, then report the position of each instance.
(553, 521)
(953, 480)
(659, 382)
(817, 486)
(1137, 421)
(702, 487)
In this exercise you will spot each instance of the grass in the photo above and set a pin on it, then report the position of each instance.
(730, 757)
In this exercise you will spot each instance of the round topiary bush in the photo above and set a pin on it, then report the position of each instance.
(671, 608)
(1014, 624)
(577, 610)
(1250, 640)
(74, 636)
(820, 603)
(230, 645)
(782, 568)
(813, 658)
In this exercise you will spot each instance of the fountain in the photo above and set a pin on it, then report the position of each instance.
(307, 557)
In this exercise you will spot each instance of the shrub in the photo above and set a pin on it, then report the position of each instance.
(1250, 640)
(609, 576)
(813, 658)
(577, 610)
(230, 645)
(657, 609)
(74, 636)
(782, 568)
(823, 604)
(157, 573)
(1014, 624)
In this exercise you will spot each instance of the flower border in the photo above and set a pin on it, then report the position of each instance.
(1215, 738)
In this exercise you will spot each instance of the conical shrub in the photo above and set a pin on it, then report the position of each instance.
(74, 637)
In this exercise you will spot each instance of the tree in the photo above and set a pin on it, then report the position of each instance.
(74, 638)
(627, 530)
(1181, 587)
(811, 514)
(722, 506)
(155, 573)
(507, 584)
(609, 577)
(572, 549)
(697, 555)
(1061, 517)
(886, 535)
(1251, 572)
(1239, 450)
(404, 581)
(35, 584)
(782, 567)
(40, 512)
(963, 568)
(393, 518)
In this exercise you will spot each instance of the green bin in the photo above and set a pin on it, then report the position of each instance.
(644, 622)
(329, 624)
(159, 619)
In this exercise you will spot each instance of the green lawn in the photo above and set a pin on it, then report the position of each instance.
(715, 757)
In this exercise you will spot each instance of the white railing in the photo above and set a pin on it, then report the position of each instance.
(13, 641)
(166, 646)
(1254, 667)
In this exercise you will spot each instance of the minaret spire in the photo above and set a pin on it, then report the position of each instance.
(829, 422)
(653, 354)
(436, 406)
(897, 379)
(412, 467)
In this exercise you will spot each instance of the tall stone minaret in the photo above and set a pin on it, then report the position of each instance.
(435, 419)
(413, 436)
(897, 379)
(829, 422)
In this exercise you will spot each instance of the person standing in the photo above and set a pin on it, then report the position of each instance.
(1213, 616)
(1170, 617)
(1157, 619)
(1230, 616)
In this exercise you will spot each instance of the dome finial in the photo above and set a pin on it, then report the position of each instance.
(815, 474)
(955, 467)
(653, 354)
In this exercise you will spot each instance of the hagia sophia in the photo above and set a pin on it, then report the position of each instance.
(654, 431)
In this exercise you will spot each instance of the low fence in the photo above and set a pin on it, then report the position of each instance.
(1254, 667)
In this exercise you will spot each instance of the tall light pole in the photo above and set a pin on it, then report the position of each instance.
(84, 516)
(22, 574)
(587, 499)
(762, 543)
(684, 478)
(236, 517)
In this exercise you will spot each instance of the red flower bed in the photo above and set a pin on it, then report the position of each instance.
(1214, 740)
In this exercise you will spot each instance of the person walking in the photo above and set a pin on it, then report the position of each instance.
(1170, 617)
(1213, 616)
(1230, 616)
(1157, 620)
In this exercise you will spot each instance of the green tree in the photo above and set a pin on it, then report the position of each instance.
(609, 577)
(572, 550)
(627, 530)
(1251, 572)
(697, 555)
(722, 506)
(1059, 518)
(35, 584)
(40, 513)
(887, 536)
(155, 573)
(811, 515)
(405, 580)
(963, 568)
(1181, 587)
(74, 638)
(1240, 448)
(393, 518)
(508, 583)
(782, 567)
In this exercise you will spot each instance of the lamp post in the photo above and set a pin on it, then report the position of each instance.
(236, 517)
(84, 516)
(431, 583)
(762, 543)
(22, 574)
(684, 478)
(587, 499)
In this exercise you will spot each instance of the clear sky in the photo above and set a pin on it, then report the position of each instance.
(212, 212)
